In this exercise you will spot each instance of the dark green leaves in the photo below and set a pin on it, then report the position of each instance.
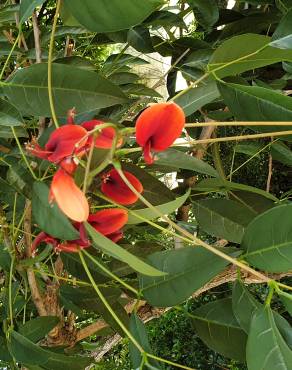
(28, 90)
(178, 159)
(149, 214)
(263, 105)
(27, 7)
(282, 37)
(9, 115)
(223, 218)
(103, 16)
(48, 216)
(197, 97)
(206, 11)
(138, 331)
(114, 250)
(245, 52)
(266, 348)
(188, 269)
(268, 240)
(217, 326)
(26, 352)
(38, 328)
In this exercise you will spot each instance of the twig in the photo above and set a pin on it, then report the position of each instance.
(35, 293)
(36, 33)
(270, 167)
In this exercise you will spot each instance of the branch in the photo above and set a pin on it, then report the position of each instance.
(35, 293)
(36, 33)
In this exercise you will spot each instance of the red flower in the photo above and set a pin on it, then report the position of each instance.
(70, 199)
(64, 142)
(114, 187)
(158, 127)
(104, 139)
(109, 222)
(42, 237)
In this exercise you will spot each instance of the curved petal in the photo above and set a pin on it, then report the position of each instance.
(43, 237)
(160, 124)
(116, 236)
(115, 188)
(108, 221)
(104, 139)
(70, 199)
(62, 142)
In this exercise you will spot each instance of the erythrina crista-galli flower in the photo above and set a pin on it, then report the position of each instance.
(115, 188)
(103, 139)
(157, 127)
(108, 222)
(70, 199)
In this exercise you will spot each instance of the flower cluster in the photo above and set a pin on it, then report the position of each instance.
(156, 129)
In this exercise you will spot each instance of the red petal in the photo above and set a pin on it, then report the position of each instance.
(104, 139)
(70, 199)
(108, 221)
(62, 142)
(70, 247)
(161, 124)
(148, 157)
(34, 149)
(115, 237)
(115, 188)
(42, 237)
(68, 165)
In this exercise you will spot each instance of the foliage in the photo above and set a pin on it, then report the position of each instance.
(92, 234)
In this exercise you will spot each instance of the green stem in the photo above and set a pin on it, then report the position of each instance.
(270, 294)
(50, 60)
(10, 54)
(22, 154)
(104, 269)
(10, 291)
(107, 305)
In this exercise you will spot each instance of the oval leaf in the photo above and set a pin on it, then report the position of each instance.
(217, 326)
(267, 240)
(28, 90)
(104, 16)
(114, 250)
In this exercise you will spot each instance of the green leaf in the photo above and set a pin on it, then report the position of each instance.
(48, 216)
(100, 242)
(27, 7)
(61, 31)
(223, 218)
(140, 90)
(139, 38)
(266, 348)
(21, 179)
(121, 78)
(245, 52)
(7, 13)
(188, 269)
(217, 326)
(26, 352)
(196, 98)
(6, 132)
(103, 16)
(206, 12)
(28, 90)
(181, 160)
(5, 259)
(280, 152)
(245, 305)
(250, 149)
(282, 37)
(264, 105)
(220, 185)
(155, 191)
(4, 353)
(287, 301)
(9, 115)
(267, 240)
(138, 331)
(77, 61)
(149, 214)
(38, 328)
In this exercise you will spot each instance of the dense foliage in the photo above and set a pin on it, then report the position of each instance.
(119, 200)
